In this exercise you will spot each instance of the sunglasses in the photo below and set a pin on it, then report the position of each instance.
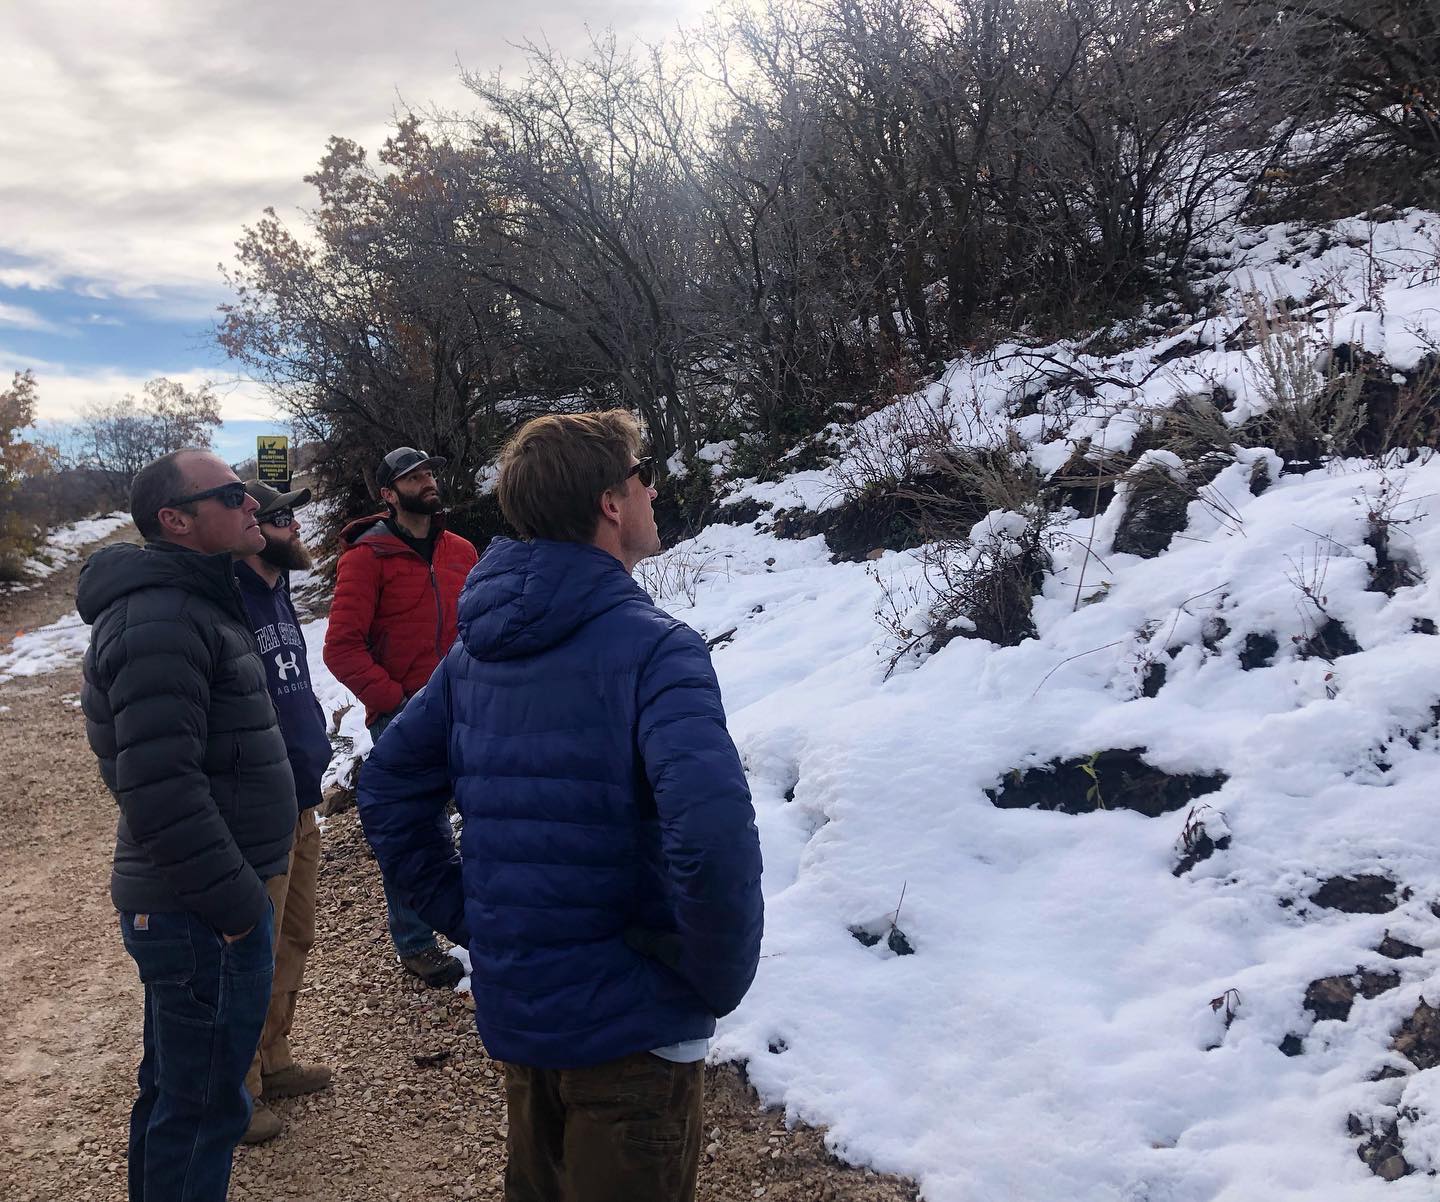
(279, 519)
(231, 495)
(645, 470)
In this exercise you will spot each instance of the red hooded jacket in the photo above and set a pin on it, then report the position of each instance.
(393, 616)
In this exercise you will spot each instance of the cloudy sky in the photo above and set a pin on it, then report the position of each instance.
(139, 137)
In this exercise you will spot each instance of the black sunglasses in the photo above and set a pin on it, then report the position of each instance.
(645, 469)
(231, 495)
(280, 518)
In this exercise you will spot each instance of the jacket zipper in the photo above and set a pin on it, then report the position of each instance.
(439, 619)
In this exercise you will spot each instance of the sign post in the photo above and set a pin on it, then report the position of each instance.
(272, 460)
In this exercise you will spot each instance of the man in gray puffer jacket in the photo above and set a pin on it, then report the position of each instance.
(179, 715)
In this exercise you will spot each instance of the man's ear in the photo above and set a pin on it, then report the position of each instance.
(609, 506)
(388, 497)
(175, 521)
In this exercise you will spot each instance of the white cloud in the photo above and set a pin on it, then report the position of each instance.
(64, 391)
(20, 318)
(154, 130)
(33, 278)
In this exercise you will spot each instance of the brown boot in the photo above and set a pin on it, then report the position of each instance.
(264, 1124)
(293, 1080)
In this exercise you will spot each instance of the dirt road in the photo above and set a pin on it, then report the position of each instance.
(416, 1110)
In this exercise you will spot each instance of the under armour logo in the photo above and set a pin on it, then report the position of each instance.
(286, 668)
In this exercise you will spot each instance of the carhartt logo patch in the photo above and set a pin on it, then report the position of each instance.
(142, 922)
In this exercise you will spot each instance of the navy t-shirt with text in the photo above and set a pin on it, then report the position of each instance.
(282, 650)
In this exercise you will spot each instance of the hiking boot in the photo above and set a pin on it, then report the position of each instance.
(265, 1124)
(293, 1080)
(434, 967)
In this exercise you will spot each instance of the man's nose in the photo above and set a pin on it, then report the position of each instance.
(251, 504)
(295, 524)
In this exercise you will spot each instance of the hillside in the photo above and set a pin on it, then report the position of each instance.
(1135, 896)
(1194, 965)
(1089, 700)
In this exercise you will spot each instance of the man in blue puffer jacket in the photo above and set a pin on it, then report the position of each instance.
(608, 882)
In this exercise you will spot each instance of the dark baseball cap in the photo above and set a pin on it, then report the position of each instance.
(271, 501)
(402, 461)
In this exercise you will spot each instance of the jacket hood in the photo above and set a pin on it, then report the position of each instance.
(523, 598)
(372, 528)
(123, 568)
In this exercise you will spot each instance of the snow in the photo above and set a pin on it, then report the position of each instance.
(83, 533)
(63, 546)
(1060, 1030)
(346, 715)
(35, 652)
(1062, 979)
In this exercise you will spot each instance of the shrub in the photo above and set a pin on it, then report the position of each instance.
(1313, 409)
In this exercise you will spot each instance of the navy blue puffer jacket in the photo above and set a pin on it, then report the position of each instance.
(608, 884)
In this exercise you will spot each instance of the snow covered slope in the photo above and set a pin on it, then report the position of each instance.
(1016, 1003)
(1046, 1015)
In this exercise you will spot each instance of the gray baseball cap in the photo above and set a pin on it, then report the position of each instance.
(271, 500)
(402, 461)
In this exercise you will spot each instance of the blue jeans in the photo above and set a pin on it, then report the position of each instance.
(205, 1003)
(408, 931)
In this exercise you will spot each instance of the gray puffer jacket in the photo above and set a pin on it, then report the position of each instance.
(177, 710)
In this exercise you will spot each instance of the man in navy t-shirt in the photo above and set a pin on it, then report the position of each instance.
(265, 588)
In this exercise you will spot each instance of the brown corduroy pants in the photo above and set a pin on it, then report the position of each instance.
(624, 1131)
(293, 895)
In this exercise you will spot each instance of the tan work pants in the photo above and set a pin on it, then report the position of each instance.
(293, 895)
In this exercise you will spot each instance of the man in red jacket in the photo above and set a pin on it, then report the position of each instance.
(392, 620)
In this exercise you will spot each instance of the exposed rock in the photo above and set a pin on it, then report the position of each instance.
(1332, 997)
(1382, 1152)
(1389, 574)
(1205, 832)
(1418, 1039)
(1213, 632)
(1109, 780)
(740, 513)
(1368, 893)
(895, 939)
(1372, 984)
(1082, 483)
(1330, 642)
(1180, 349)
(1259, 477)
(1153, 680)
(1398, 949)
(337, 799)
(1155, 511)
(857, 526)
(1424, 626)
(1291, 1045)
(1259, 651)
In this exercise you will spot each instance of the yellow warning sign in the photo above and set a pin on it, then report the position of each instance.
(272, 459)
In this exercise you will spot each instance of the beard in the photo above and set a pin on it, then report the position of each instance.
(425, 503)
(288, 556)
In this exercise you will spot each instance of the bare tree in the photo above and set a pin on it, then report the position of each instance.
(120, 437)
